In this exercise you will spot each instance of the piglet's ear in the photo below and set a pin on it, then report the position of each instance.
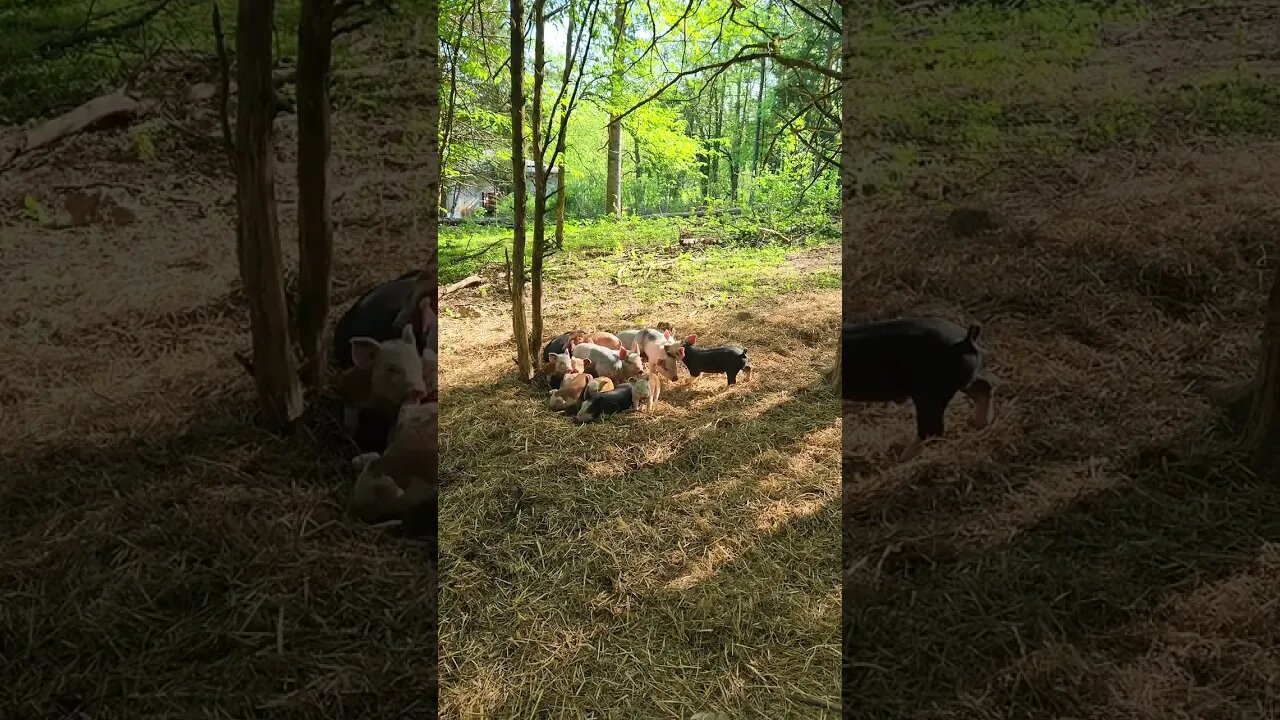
(364, 350)
(622, 353)
(691, 339)
(681, 353)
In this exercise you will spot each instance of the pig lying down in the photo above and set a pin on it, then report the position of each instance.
(926, 360)
(620, 399)
(571, 389)
(394, 310)
(381, 314)
(560, 345)
(401, 483)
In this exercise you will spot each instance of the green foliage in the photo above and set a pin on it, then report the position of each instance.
(43, 69)
(34, 210)
(1232, 105)
(746, 260)
(143, 144)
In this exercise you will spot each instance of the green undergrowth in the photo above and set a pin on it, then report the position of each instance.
(946, 96)
(733, 259)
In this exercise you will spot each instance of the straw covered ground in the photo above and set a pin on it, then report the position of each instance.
(161, 556)
(653, 565)
(1100, 551)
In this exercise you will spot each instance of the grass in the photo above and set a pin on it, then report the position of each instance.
(1100, 552)
(652, 565)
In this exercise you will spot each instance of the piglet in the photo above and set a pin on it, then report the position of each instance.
(561, 344)
(401, 483)
(386, 376)
(570, 392)
(727, 359)
(658, 347)
(645, 391)
(619, 399)
(608, 363)
(926, 360)
(604, 339)
(599, 385)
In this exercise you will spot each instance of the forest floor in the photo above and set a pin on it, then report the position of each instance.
(1100, 551)
(651, 565)
(162, 555)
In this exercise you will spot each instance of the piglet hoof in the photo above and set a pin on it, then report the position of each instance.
(363, 460)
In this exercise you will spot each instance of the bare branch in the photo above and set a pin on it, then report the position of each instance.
(224, 88)
(52, 48)
(742, 56)
(827, 22)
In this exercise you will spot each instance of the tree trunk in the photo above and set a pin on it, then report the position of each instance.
(1262, 430)
(539, 176)
(560, 202)
(515, 266)
(431, 151)
(315, 225)
(613, 183)
(718, 95)
(257, 233)
(638, 193)
(846, 156)
(755, 151)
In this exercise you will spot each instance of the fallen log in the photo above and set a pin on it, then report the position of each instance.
(103, 111)
(467, 282)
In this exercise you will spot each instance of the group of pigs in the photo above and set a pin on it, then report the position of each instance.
(385, 352)
(593, 374)
(384, 348)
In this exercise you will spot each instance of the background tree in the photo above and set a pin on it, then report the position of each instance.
(613, 182)
(515, 262)
(577, 45)
(846, 163)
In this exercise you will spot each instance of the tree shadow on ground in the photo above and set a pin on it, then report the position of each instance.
(216, 556)
(1025, 625)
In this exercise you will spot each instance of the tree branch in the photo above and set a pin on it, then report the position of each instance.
(52, 48)
(742, 56)
(824, 21)
(224, 88)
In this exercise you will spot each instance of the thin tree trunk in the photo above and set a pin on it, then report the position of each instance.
(431, 152)
(257, 232)
(846, 161)
(539, 176)
(613, 182)
(1262, 430)
(560, 202)
(639, 189)
(755, 151)
(515, 264)
(715, 156)
(315, 225)
(447, 133)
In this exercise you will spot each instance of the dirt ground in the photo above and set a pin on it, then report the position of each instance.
(652, 565)
(1100, 551)
(162, 557)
